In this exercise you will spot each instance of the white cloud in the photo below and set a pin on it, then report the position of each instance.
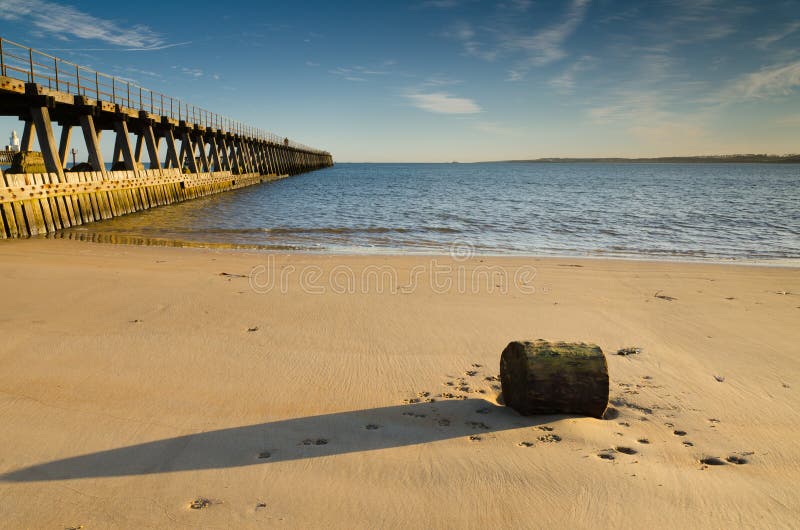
(768, 82)
(442, 103)
(357, 73)
(63, 20)
(564, 83)
(192, 72)
(765, 41)
(312, 64)
(500, 35)
(546, 46)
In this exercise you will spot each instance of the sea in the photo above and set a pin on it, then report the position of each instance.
(697, 212)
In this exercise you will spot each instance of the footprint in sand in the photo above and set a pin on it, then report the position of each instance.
(261, 506)
(475, 438)
(483, 411)
(738, 460)
(625, 450)
(545, 428)
(200, 503)
(444, 422)
(318, 441)
(687, 443)
(526, 444)
(712, 461)
(423, 394)
(470, 373)
(606, 455)
(476, 365)
(415, 415)
(372, 427)
(490, 378)
(643, 441)
(679, 432)
(549, 438)
(411, 401)
(477, 425)
(264, 454)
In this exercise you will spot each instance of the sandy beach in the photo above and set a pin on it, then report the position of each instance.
(293, 391)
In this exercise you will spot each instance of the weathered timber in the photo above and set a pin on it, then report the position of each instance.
(540, 377)
(38, 204)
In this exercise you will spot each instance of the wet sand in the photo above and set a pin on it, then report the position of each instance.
(164, 387)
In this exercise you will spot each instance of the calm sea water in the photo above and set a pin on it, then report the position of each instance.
(685, 211)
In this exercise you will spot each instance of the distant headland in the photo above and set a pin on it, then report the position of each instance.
(706, 159)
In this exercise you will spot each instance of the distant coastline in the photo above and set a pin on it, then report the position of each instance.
(708, 159)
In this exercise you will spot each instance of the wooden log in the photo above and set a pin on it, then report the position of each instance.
(540, 377)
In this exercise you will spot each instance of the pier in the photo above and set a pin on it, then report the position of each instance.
(216, 153)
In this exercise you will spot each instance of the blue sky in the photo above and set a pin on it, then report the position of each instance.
(442, 80)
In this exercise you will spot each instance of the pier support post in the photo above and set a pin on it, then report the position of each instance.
(223, 149)
(124, 141)
(188, 152)
(92, 140)
(26, 144)
(172, 151)
(152, 146)
(245, 156)
(201, 145)
(215, 154)
(233, 156)
(137, 153)
(47, 142)
(63, 145)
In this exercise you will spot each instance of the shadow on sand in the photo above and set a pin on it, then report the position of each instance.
(294, 439)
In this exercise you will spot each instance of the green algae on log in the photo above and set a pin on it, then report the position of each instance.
(541, 377)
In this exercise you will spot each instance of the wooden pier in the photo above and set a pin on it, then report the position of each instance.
(216, 153)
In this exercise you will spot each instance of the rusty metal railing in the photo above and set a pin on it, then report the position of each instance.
(32, 66)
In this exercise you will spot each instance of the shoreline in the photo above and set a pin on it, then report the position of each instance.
(136, 382)
(791, 263)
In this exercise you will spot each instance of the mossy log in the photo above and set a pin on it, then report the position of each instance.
(541, 377)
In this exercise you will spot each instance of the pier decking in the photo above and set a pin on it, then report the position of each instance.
(216, 153)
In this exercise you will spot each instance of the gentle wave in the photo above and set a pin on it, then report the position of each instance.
(664, 211)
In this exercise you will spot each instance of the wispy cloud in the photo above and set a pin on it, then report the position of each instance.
(767, 40)
(440, 80)
(357, 73)
(564, 83)
(312, 64)
(547, 45)
(65, 20)
(502, 35)
(443, 103)
(771, 81)
(465, 33)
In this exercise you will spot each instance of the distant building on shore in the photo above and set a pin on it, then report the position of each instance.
(13, 142)
(7, 154)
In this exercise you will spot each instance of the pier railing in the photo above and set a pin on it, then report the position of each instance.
(32, 66)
